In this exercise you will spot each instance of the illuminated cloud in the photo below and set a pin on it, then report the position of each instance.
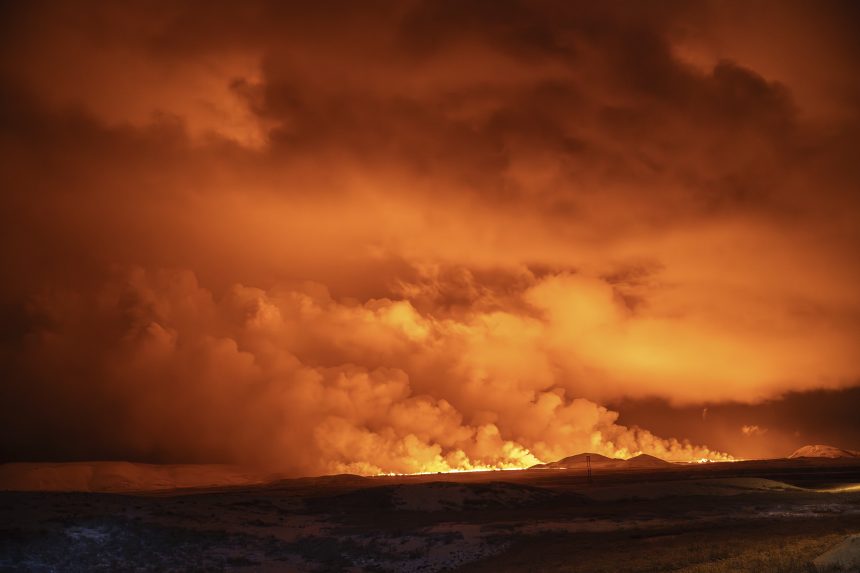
(753, 430)
(294, 379)
(418, 236)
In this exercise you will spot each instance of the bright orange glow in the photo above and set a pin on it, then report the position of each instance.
(425, 238)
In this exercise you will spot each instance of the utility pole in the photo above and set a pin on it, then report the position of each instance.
(588, 468)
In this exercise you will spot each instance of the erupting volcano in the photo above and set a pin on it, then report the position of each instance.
(254, 243)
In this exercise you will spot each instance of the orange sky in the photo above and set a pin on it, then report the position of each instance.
(412, 236)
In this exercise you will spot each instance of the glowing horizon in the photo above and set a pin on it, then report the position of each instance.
(513, 468)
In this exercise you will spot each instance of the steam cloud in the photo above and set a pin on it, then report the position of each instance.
(422, 235)
(294, 379)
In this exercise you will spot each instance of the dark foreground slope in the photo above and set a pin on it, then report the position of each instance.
(754, 516)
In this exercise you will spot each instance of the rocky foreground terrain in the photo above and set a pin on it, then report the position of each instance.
(751, 516)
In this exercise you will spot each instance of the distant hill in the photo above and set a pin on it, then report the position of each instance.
(120, 476)
(598, 461)
(646, 461)
(819, 451)
(579, 462)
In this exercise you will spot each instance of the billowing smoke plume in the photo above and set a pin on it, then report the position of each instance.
(296, 380)
(508, 212)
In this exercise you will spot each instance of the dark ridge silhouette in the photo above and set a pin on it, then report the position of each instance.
(578, 461)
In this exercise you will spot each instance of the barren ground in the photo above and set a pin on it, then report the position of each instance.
(751, 516)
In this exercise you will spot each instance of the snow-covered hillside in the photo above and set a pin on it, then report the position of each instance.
(820, 451)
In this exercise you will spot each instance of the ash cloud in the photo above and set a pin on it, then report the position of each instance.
(293, 379)
(460, 227)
